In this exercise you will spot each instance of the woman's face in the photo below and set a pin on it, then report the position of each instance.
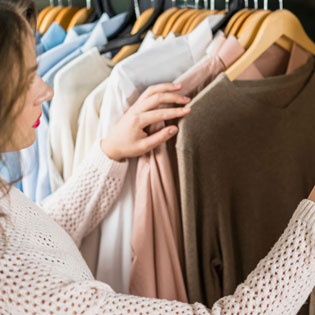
(37, 92)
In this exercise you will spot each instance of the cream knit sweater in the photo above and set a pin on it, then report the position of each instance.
(42, 271)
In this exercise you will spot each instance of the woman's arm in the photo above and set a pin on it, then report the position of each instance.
(280, 284)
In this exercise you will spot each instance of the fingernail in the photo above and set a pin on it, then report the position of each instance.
(172, 131)
(187, 99)
(177, 86)
(186, 109)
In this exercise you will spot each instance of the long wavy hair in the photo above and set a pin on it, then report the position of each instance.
(16, 17)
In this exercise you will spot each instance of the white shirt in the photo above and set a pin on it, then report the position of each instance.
(163, 63)
(73, 84)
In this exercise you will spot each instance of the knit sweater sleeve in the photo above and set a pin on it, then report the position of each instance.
(87, 196)
(280, 284)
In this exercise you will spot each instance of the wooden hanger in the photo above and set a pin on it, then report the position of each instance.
(239, 22)
(277, 24)
(161, 22)
(42, 15)
(199, 19)
(118, 43)
(248, 31)
(232, 21)
(129, 50)
(65, 16)
(172, 21)
(251, 27)
(190, 20)
(81, 17)
(182, 20)
(49, 19)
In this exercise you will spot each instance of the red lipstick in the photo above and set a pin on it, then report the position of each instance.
(37, 122)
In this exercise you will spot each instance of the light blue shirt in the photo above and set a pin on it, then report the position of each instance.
(54, 36)
(10, 168)
(78, 30)
(36, 183)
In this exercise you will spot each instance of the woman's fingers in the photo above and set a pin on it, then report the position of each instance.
(149, 143)
(160, 88)
(154, 116)
(161, 98)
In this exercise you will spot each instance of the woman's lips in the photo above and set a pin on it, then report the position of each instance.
(37, 122)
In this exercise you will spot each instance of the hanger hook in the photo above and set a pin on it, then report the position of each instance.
(265, 4)
(88, 4)
(51, 3)
(226, 5)
(280, 4)
(152, 3)
(212, 5)
(185, 3)
(246, 4)
(173, 3)
(69, 3)
(60, 3)
(256, 4)
(137, 8)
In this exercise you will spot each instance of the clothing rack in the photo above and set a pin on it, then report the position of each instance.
(304, 10)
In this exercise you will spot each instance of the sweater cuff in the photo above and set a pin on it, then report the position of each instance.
(105, 164)
(305, 212)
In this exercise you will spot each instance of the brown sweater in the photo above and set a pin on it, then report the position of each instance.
(245, 158)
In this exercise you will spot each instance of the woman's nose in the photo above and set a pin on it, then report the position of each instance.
(46, 93)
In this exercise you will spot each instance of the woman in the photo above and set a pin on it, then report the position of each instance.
(41, 269)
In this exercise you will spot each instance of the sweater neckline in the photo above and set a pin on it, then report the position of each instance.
(278, 91)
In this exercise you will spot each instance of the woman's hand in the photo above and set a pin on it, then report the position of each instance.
(312, 195)
(128, 138)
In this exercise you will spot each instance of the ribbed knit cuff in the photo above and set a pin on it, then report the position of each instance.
(105, 164)
(306, 212)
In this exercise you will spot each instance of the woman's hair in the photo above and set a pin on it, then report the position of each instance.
(25, 8)
(16, 16)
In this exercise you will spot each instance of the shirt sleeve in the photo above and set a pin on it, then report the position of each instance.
(280, 284)
(88, 195)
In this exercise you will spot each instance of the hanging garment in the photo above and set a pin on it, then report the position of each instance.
(246, 137)
(157, 257)
(54, 36)
(104, 28)
(72, 84)
(10, 168)
(89, 122)
(155, 196)
(128, 79)
(78, 30)
(150, 40)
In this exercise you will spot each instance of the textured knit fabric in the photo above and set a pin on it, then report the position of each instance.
(253, 144)
(42, 271)
(127, 80)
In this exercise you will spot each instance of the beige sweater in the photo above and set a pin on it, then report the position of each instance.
(42, 271)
